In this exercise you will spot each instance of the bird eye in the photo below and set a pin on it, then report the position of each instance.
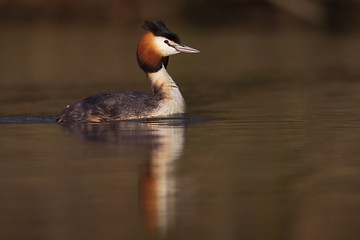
(166, 41)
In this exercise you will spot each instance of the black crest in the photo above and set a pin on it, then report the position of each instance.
(159, 28)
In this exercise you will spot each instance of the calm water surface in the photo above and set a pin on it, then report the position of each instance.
(256, 158)
(270, 164)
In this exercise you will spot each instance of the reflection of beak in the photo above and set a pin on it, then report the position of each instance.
(185, 49)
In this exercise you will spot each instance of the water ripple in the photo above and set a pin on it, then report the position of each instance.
(27, 120)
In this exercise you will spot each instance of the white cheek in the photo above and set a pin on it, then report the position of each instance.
(163, 48)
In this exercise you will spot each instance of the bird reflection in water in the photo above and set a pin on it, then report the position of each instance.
(158, 185)
(158, 180)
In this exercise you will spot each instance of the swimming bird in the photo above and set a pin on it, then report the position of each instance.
(153, 51)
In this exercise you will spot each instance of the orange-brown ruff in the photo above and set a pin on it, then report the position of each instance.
(153, 52)
(146, 52)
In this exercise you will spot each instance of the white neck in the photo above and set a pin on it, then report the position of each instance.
(172, 102)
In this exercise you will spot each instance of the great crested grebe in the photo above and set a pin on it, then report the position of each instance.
(153, 52)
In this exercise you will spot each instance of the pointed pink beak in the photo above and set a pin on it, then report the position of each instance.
(185, 49)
